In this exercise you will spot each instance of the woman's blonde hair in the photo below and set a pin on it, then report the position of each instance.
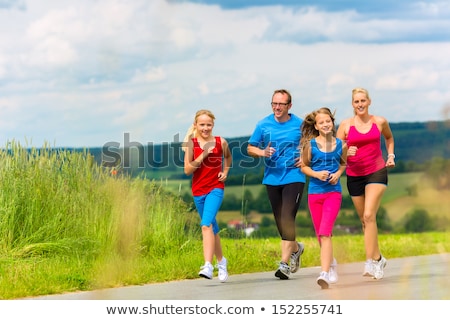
(360, 90)
(192, 131)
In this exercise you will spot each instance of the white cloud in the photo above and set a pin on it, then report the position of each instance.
(83, 73)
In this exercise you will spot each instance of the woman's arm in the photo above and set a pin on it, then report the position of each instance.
(389, 140)
(342, 131)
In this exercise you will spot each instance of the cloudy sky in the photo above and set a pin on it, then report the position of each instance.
(83, 73)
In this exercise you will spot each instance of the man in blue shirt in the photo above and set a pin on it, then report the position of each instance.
(276, 138)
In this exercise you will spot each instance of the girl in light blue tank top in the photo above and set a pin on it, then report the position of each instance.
(324, 157)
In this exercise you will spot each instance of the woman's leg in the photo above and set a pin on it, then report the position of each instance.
(373, 195)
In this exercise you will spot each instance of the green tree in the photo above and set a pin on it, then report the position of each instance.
(418, 221)
(262, 203)
(230, 202)
(266, 222)
(383, 221)
(438, 170)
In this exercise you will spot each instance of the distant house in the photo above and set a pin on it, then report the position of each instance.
(248, 228)
(347, 229)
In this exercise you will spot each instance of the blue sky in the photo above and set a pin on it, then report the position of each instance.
(83, 73)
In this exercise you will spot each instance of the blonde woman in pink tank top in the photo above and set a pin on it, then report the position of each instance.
(366, 171)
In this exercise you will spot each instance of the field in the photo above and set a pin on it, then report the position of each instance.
(68, 225)
(397, 200)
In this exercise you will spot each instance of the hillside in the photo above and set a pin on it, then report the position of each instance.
(398, 199)
(419, 142)
(415, 142)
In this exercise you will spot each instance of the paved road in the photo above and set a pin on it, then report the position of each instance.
(412, 278)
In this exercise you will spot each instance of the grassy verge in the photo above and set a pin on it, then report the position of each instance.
(36, 276)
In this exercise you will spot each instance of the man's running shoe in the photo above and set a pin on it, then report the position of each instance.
(296, 258)
(283, 271)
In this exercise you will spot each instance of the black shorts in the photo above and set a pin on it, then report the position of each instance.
(357, 184)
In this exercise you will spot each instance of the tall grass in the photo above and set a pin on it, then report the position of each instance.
(62, 206)
(59, 201)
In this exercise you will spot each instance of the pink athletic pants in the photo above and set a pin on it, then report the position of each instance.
(324, 208)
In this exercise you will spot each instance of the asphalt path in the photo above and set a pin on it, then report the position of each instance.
(411, 278)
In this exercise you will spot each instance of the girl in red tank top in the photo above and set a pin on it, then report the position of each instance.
(208, 159)
(205, 177)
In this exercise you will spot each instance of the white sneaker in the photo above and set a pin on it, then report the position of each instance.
(378, 268)
(332, 275)
(206, 271)
(368, 268)
(223, 273)
(323, 280)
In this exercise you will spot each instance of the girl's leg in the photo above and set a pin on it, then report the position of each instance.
(326, 253)
(331, 206)
(210, 228)
(208, 243)
(315, 205)
(218, 248)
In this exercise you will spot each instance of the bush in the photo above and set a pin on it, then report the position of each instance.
(418, 221)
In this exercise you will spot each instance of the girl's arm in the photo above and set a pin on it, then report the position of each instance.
(191, 164)
(227, 160)
(306, 160)
(334, 177)
(343, 161)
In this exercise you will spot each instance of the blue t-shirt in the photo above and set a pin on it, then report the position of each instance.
(279, 169)
(329, 161)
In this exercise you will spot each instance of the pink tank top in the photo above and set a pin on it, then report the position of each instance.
(368, 158)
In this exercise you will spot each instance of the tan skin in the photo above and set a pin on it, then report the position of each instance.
(326, 143)
(280, 110)
(368, 204)
(204, 125)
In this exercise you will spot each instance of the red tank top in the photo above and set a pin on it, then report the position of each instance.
(368, 158)
(206, 178)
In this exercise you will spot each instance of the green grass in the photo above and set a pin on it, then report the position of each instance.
(398, 184)
(34, 276)
(68, 225)
(396, 199)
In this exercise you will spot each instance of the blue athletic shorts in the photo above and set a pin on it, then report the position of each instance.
(208, 206)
